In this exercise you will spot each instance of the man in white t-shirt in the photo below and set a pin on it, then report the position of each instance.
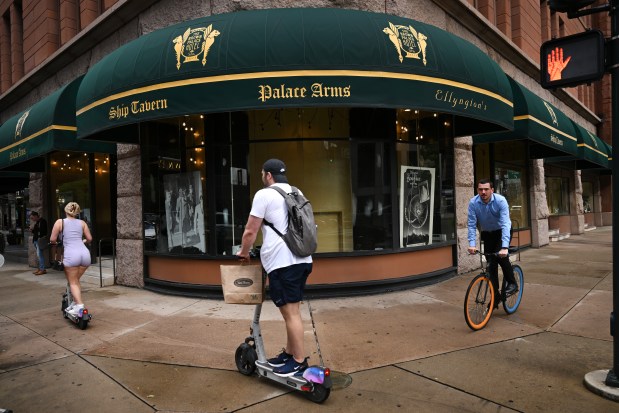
(287, 272)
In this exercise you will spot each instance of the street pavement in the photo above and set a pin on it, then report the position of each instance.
(407, 351)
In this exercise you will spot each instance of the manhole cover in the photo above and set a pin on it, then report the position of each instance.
(340, 380)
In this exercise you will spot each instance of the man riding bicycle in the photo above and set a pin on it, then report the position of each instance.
(490, 212)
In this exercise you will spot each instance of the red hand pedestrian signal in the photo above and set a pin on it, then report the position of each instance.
(556, 64)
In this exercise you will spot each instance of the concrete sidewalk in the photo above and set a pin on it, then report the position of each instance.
(404, 351)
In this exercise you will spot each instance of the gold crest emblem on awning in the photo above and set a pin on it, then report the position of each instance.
(20, 124)
(193, 43)
(592, 136)
(552, 113)
(408, 42)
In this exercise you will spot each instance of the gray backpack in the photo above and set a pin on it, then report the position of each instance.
(301, 235)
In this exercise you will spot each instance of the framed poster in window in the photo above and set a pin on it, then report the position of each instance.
(416, 205)
(184, 212)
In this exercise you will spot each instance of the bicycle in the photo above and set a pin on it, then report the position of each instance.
(480, 295)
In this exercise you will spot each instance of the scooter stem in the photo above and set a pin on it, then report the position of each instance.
(257, 334)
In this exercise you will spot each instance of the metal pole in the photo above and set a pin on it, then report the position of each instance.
(612, 379)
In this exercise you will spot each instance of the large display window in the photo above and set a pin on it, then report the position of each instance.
(557, 192)
(510, 179)
(80, 177)
(506, 164)
(373, 186)
(587, 196)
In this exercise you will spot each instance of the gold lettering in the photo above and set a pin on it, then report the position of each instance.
(556, 140)
(17, 154)
(457, 101)
(136, 107)
(117, 112)
(318, 90)
(264, 93)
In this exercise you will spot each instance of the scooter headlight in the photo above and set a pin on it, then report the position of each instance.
(314, 374)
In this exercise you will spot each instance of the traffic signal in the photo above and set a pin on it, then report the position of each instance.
(572, 60)
(563, 6)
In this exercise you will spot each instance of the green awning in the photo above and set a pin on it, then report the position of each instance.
(47, 126)
(551, 132)
(592, 151)
(279, 58)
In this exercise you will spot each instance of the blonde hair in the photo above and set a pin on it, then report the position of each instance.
(72, 209)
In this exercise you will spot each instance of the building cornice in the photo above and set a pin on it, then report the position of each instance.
(102, 27)
(475, 22)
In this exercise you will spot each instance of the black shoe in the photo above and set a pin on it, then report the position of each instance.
(511, 288)
(280, 359)
(290, 368)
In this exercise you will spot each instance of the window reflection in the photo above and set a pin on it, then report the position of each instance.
(587, 196)
(201, 172)
(557, 190)
(425, 170)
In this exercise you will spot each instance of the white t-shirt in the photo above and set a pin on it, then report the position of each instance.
(270, 205)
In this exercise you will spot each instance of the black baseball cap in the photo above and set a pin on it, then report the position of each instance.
(275, 166)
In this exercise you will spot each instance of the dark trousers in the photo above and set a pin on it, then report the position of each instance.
(492, 243)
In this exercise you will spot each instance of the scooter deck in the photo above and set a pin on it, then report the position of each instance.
(266, 370)
(72, 317)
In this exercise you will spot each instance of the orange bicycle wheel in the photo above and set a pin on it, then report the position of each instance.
(479, 302)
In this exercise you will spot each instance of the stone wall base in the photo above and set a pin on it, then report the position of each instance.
(539, 233)
(130, 263)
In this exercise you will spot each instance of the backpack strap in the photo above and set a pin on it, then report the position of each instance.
(284, 194)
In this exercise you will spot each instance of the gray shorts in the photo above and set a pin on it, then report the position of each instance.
(76, 258)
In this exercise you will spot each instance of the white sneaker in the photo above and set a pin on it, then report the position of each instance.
(70, 306)
(75, 310)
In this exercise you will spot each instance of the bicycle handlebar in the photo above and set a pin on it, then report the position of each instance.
(510, 250)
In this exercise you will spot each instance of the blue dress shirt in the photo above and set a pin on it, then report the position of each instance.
(491, 217)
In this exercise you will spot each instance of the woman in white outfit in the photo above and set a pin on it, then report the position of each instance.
(76, 257)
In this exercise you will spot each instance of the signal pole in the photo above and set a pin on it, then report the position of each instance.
(612, 380)
(595, 381)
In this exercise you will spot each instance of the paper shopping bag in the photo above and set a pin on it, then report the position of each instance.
(242, 284)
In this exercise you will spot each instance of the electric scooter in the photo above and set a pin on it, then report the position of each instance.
(82, 318)
(314, 382)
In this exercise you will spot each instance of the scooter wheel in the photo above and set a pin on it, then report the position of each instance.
(319, 394)
(82, 324)
(63, 307)
(245, 358)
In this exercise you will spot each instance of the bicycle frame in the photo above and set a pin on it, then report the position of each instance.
(481, 295)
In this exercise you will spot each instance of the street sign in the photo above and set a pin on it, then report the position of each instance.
(572, 60)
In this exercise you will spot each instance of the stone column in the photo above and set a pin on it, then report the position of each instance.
(129, 245)
(464, 190)
(577, 210)
(36, 202)
(539, 204)
(597, 202)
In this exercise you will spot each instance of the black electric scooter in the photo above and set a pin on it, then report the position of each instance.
(82, 318)
(314, 382)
